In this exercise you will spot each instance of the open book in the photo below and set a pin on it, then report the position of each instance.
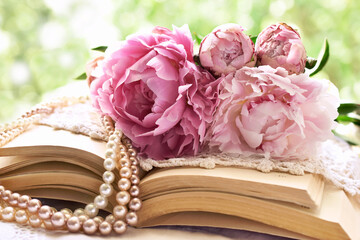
(57, 164)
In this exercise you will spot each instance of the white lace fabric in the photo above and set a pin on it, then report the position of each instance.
(336, 161)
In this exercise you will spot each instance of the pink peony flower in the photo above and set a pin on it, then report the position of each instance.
(153, 90)
(226, 49)
(280, 46)
(266, 111)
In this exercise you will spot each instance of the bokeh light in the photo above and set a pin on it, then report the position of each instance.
(44, 44)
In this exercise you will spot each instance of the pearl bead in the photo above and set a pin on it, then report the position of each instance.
(98, 220)
(131, 218)
(91, 210)
(123, 149)
(21, 216)
(67, 216)
(109, 164)
(79, 212)
(73, 224)
(120, 212)
(108, 177)
(58, 220)
(134, 161)
(34, 205)
(134, 170)
(48, 224)
(126, 141)
(123, 197)
(135, 204)
(83, 218)
(89, 226)
(110, 219)
(132, 152)
(114, 138)
(123, 154)
(6, 195)
(23, 201)
(109, 129)
(35, 221)
(119, 226)
(118, 133)
(125, 162)
(124, 184)
(13, 199)
(111, 145)
(134, 191)
(66, 211)
(106, 190)
(105, 228)
(125, 172)
(134, 180)
(1, 189)
(8, 214)
(45, 212)
(109, 153)
(100, 202)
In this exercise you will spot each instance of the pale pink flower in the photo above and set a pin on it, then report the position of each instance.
(153, 90)
(90, 67)
(226, 49)
(280, 46)
(267, 111)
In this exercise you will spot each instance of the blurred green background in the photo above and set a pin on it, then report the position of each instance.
(44, 44)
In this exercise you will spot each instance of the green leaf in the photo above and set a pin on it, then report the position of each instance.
(100, 48)
(81, 77)
(322, 58)
(253, 38)
(347, 119)
(346, 108)
(198, 38)
(310, 62)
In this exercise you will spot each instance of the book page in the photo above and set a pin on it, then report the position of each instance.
(304, 190)
(335, 218)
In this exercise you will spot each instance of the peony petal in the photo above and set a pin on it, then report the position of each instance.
(170, 118)
(163, 67)
(253, 139)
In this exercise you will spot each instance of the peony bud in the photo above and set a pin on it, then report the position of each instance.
(279, 45)
(226, 49)
(90, 67)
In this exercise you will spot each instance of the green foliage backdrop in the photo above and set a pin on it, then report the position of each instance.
(44, 44)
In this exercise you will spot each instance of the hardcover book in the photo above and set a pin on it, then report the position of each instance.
(57, 164)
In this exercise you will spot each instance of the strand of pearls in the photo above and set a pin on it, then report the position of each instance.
(119, 154)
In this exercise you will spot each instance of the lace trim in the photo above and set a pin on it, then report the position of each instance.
(79, 118)
(336, 160)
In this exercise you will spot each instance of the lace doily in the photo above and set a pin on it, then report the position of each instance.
(336, 160)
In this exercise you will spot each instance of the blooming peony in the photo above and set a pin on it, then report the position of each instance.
(280, 46)
(226, 49)
(151, 87)
(267, 111)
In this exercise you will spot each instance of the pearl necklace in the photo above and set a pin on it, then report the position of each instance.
(119, 154)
